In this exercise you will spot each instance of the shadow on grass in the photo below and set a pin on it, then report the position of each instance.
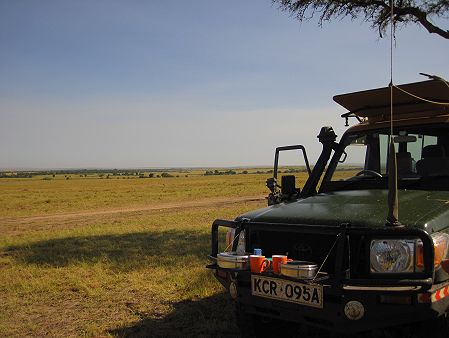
(207, 317)
(215, 317)
(124, 251)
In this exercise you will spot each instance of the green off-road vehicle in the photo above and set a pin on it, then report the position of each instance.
(349, 270)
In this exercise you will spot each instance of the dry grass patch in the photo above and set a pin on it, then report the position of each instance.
(138, 275)
(30, 197)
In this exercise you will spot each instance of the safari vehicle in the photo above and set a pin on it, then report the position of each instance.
(370, 272)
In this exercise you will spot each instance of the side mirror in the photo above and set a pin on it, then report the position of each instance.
(288, 182)
(288, 185)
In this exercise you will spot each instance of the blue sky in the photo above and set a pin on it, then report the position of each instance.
(200, 83)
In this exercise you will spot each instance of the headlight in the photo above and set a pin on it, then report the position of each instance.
(405, 255)
(392, 256)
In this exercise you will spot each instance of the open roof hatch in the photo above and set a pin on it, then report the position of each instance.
(375, 103)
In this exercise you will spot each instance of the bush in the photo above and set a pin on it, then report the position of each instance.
(216, 172)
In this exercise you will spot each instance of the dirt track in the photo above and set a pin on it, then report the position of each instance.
(216, 201)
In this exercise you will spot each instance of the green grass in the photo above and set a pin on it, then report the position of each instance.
(27, 197)
(139, 273)
(132, 274)
(136, 274)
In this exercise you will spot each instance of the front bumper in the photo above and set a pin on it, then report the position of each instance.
(387, 300)
(382, 306)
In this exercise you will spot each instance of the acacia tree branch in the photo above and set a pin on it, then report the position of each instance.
(375, 11)
(421, 17)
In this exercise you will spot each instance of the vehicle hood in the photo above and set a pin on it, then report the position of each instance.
(417, 208)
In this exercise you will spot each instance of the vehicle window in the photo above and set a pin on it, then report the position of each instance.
(415, 148)
(352, 160)
(429, 140)
(418, 154)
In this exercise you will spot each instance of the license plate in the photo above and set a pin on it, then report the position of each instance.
(288, 291)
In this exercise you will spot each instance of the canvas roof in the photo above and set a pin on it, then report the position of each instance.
(374, 102)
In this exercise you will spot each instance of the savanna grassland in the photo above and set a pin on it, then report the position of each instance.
(95, 257)
(42, 195)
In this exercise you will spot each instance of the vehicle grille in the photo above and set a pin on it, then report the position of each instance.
(299, 246)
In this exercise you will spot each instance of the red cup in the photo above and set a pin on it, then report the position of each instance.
(258, 263)
(277, 261)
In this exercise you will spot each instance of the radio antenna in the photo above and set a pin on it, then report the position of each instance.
(393, 203)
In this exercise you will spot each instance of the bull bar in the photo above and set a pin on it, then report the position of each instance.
(423, 279)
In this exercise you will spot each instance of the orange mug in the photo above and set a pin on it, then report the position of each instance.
(277, 261)
(258, 263)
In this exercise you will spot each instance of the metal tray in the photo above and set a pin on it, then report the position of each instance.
(299, 269)
(231, 260)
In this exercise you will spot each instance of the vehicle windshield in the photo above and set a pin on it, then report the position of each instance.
(362, 161)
